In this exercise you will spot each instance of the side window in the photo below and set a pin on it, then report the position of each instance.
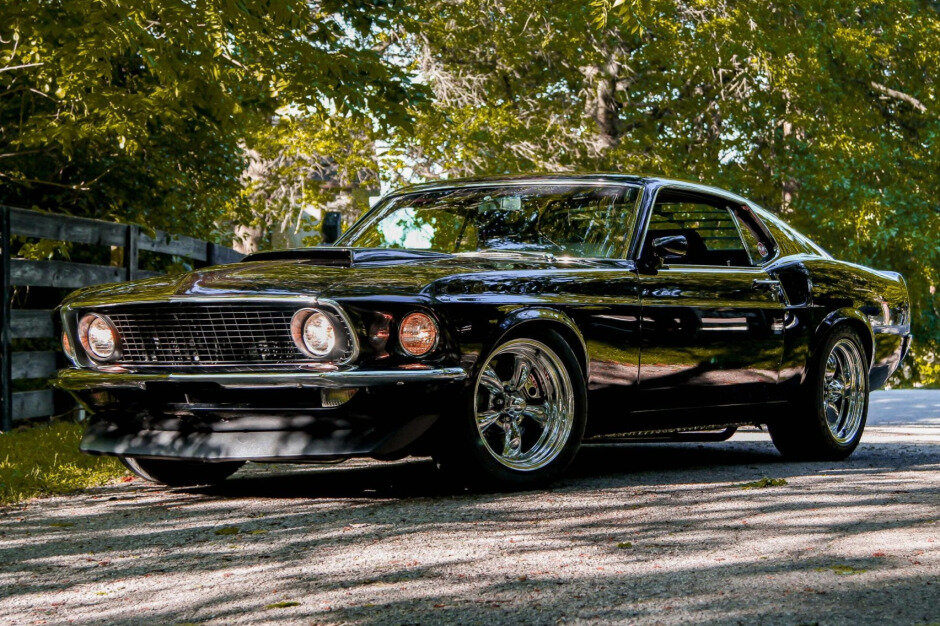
(755, 242)
(711, 229)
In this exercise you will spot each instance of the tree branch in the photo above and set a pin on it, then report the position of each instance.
(900, 95)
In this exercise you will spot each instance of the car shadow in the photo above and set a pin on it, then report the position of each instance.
(624, 463)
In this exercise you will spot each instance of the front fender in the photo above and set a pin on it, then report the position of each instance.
(518, 319)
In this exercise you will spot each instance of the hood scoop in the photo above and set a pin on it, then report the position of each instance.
(346, 257)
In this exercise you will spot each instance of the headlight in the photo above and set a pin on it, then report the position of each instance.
(98, 337)
(313, 332)
(417, 334)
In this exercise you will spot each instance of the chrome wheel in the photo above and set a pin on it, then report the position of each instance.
(524, 405)
(843, 401)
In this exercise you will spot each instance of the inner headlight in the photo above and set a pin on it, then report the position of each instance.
(417, 334)
(313, 332)
(98, 336)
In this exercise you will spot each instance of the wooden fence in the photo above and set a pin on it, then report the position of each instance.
(40, 324)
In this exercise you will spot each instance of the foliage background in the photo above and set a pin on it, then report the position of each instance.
(231, 118)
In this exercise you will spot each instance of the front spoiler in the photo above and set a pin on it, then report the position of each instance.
(103, 438)
(86, 380)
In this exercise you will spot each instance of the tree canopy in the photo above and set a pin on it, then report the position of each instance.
(201, 117)
(824, 111)
(139, 110)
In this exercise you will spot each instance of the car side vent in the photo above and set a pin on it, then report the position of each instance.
(796, 287)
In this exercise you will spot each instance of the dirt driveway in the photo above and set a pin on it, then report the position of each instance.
(637, 533)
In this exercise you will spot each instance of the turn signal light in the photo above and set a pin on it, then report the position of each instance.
(417, 334)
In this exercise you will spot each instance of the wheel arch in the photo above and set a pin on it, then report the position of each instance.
(531, 320)
(850, 318)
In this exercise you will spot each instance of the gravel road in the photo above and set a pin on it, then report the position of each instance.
(644, 533)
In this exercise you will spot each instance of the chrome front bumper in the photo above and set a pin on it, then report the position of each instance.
(86, 380)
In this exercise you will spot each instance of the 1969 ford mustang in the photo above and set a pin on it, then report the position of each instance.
(494, 325)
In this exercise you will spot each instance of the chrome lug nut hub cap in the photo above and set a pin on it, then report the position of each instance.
(524, 405)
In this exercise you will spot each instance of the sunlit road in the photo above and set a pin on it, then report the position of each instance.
(649, 533)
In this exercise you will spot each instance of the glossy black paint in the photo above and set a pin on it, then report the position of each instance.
(664, 347)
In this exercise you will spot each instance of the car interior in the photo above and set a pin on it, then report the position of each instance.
(713, 232)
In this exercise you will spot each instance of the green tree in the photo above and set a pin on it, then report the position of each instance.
(301, 163)
(138, 110)
(825, 112)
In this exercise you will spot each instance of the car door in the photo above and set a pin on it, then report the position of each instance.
(712, 318)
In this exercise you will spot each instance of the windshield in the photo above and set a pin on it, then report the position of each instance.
(563, 220)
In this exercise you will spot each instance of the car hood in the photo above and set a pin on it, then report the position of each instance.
(292, 274)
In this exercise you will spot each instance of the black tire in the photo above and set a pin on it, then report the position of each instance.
(465, 452)
(175, 473)
(805, 434)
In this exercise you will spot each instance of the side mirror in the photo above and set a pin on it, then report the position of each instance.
(331, 226)
(672, 246)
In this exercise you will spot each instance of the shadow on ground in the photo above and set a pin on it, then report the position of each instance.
(658, 533)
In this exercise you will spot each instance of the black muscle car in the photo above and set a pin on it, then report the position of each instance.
(494, 325)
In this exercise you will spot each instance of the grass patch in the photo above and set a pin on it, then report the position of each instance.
(281, 605)
(625, 545)
(842, 570)
(44, 460)
(764, 482)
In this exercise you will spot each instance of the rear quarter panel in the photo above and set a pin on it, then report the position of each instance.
(824, 293)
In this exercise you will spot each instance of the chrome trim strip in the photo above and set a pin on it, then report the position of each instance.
(522, 182)
(891, 329)
(105, 301)
(86, 380)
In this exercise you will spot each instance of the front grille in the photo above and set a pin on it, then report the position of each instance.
(206, 334)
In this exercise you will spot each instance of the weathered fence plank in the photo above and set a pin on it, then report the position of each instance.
(27, 273)
(6, 399)
(28, 404)
(31, 324)
(33, 365)
(218, 255)
(180, 245)
(36, 324)
(66, 228)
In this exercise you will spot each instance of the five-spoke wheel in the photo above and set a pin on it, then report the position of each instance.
(524, 404)
(828, 413)
(843, 398)
(527, 415)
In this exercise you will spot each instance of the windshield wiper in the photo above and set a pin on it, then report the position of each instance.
(547, 256)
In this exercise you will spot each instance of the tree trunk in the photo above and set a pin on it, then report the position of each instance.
(247, 238)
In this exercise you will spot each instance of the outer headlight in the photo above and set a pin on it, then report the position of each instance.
(98, 336)
(417, 334)
(313, 332)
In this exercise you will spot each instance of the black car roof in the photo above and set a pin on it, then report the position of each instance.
(564, 177)
(523, 178)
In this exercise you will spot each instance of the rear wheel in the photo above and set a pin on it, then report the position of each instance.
(831, 408)
(181, 473)
(525, 420)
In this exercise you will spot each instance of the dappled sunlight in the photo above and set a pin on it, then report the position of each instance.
(648, 532)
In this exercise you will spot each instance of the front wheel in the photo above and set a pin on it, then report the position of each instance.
(525, 418)
(832, 405)
(176, 473)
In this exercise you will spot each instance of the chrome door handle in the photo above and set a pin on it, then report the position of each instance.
(761, 283)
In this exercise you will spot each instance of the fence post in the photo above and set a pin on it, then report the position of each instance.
(6, 367)
(131, 251)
